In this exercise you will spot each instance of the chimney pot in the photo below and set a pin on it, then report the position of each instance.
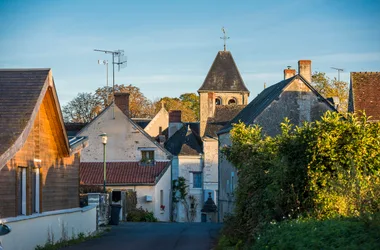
(289, 73)
(122, 101)
(175, 116)
(174, 122)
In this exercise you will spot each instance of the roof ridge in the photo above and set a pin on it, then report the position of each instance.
(25, 69)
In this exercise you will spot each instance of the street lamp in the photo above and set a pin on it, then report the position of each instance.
(104, 141)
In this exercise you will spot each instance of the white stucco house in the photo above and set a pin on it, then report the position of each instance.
(134, 159)
(196, 167)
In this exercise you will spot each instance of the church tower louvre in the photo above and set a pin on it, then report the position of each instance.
(223, 86)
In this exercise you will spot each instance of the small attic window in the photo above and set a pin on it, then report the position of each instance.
(232, 101)
(218, 101)
(147, 157)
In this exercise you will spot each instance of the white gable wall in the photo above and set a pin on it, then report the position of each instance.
(124, 140)
(154, 192)
(161, 119)
(186, 166)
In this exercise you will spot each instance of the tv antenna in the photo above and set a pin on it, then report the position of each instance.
(121, 60)
(224, 37)
(339, 70)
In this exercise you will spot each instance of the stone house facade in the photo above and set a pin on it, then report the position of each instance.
(293, 98)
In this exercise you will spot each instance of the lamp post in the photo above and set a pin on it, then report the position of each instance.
(104, 141)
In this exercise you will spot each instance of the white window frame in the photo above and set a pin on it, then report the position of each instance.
(37, 191)
(22, 199)
(192, 179)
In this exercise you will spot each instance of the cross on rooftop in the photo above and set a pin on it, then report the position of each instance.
(224, 37)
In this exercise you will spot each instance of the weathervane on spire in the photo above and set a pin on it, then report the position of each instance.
(224, 37)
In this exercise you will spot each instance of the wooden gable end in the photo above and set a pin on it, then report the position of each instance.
(51, 116)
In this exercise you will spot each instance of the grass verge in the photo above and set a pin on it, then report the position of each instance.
(81, 237)
(343, 233)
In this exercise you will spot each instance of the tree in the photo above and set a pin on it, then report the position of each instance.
(139, 105)
(188, 103)
(191, 100)
(331, 88)
(86, 106)
(83, 108)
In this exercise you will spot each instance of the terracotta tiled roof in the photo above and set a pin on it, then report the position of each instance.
(365, 93)
(123, 173)
(223, 75)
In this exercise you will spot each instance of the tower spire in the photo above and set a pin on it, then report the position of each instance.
(224, 37)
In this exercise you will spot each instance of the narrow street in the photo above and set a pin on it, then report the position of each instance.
(159, 236)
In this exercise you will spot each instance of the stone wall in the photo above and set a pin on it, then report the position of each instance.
(207, 108)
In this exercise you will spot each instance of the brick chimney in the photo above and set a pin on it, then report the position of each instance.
(304, 69)
(289, 73)
(122, 101)
(175, 122)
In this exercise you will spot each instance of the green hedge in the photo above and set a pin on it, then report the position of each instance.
(324, 169)
(315, 234)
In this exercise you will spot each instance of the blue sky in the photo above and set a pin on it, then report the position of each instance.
(171, 45)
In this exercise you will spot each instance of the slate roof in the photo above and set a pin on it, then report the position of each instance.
(185, 141)
(223, 75)
(142, 122)
(19, 92)
(209, 206)
(122, 173)
(72, 128)
(223, 114)
(263, 100)
(365, 93)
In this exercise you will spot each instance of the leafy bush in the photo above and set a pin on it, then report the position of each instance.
(349, 233)
(140, 215)
(324, 169)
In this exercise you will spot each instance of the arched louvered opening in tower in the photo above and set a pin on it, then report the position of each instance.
(232, 101)
(218, 101)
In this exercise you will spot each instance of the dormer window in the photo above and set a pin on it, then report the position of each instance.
(218, 101)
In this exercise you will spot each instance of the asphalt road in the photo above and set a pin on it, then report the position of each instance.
(157, 236)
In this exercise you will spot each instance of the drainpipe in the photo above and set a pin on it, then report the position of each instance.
(203, 180)
(218, 208)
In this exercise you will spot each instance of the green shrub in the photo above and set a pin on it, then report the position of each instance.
(140, 215)
(324, 169)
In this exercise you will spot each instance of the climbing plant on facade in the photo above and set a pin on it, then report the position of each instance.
(180, 195)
